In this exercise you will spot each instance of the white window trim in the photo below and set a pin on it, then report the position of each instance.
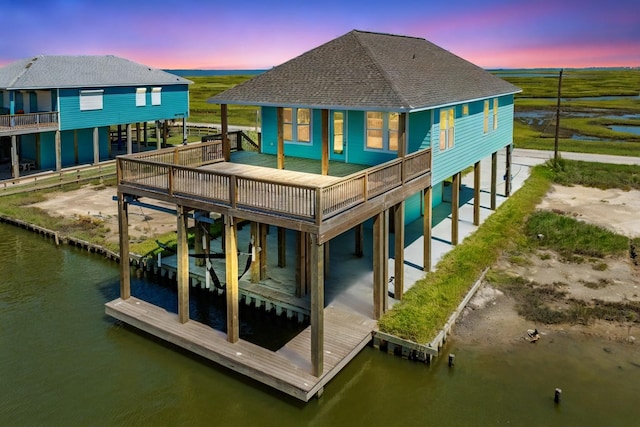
(141, 97)
(385, 133)
(91, 100)
(156, 96)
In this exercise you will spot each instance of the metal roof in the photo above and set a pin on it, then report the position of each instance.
(49, 72)
(365, 70)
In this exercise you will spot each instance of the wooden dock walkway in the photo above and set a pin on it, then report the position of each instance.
(287, 369)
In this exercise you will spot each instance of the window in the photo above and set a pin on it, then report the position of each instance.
(495, 114)
(338, 132)
(447, 122)
(156, 98)
(296, 124)
(141, 97)
(382, 130)
(91, 99)
(465, 109)
(486, 116)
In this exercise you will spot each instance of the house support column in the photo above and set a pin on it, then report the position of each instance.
(494, 179)
(256, 265)
(398, 220)
(282, 247)
(507, 173)
(58, 147)
(165, 132)
(262, 250)
(96, 146)
(123, 228)
(317, 307)
(280, 148)
(224, 123)
(138, 135)
(199, 240)
(158, 137)
(426, 228)
(476, 193)
(145, 133)
(359, 249)
(325, 142)
(15, 165)
(231, 250)
(302, 264)
(379, 261)
(455, 208)
(129, 139)
(182, 266)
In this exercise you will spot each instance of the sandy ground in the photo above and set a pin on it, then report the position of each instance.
(490, 317)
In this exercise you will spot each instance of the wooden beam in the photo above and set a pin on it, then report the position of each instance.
(145, 130)
(182, 262)
(199, 241)
(327, 258)
(359, 249)
(507, 173)
(385, 259)
(317, 307)
(255, 264)
(231, 245)
(282, 247)
(494, 179)
(224, 119)
(129, 139)
(426, 229)
(379, 280)
(398, 220)
(402, 135)
(138, 136)
(476, 193)
(158, 137)
(325, 142)
(123, 228)
(15, 164)
(280, 148)
(455, 208)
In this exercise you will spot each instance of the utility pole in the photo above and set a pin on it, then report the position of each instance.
(555, 147)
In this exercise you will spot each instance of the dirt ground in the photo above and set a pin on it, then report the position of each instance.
(490, 317)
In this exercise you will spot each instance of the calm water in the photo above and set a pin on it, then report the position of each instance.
(63, 362)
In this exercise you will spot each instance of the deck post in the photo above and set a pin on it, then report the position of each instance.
(123, 226)
(280, 148)
(379, 278)
(317, 307)
(231, 245)
(282, 247)
(129, 139)
(455, 208)
(398, 220)
(138, 135)
(325, 142)
(145, 131)
(327, 256)
(58, 147)
(402, 135)
(302, 264)
(494, 179)
(385, 258)
(96, 146)
(255, 256)
(158, 137)
(15, 165)
(476, 193)
(507, 173)
(224, 119)
(262, 254)
(359, 249)
(165, 132)
(426, 229)
(199, 241)
(182, 265)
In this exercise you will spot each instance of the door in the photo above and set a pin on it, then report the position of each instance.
(338, 136)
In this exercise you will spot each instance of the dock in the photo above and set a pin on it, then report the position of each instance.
(287, 369)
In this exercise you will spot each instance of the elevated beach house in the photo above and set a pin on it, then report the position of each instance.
(359, 136)
(56, 111)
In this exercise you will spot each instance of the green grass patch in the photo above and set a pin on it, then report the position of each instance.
(597, 175)
(428, 304)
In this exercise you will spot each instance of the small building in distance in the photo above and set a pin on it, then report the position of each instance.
(56, 111)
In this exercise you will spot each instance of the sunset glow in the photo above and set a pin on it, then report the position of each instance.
(201, 34)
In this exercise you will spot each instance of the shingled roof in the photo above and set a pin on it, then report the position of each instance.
(48, 72)
(364, 70)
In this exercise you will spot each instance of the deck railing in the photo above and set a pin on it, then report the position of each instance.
(29, 121)
(175, 172)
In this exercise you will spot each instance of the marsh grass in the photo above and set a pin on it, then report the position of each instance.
(597, 175)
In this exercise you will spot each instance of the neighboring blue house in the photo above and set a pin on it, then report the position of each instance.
(367, 81)
(55, 111)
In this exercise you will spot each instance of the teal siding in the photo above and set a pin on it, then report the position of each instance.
(471, 143)
(413, 208)
(436, 194)
(419, 131)
(119, 107)
(47, 150)
(28, 146)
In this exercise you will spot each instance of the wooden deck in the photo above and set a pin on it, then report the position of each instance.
(287, 369)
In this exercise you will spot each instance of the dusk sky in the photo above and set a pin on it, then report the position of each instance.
(254, 34)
